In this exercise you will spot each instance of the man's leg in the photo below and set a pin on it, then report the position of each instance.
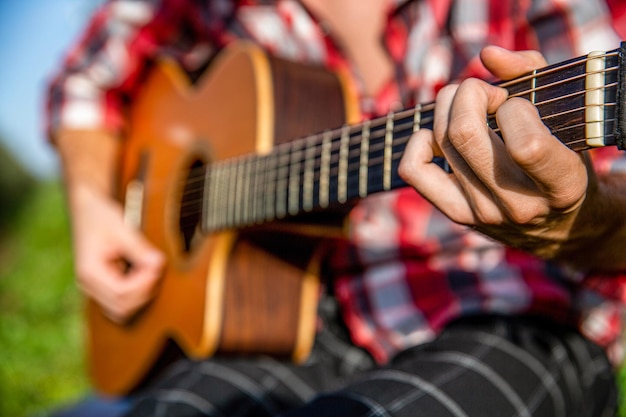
(256, 387)
(484, 367)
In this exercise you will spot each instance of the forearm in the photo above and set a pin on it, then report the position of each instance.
(105, 245)
(90, 162)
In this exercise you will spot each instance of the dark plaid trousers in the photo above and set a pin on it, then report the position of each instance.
(481, 366)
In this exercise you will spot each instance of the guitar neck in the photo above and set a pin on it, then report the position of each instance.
(579, 101)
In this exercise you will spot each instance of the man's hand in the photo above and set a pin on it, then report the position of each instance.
(115, 264)
(527, 189)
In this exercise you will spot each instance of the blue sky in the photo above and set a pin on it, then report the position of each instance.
(34, 34)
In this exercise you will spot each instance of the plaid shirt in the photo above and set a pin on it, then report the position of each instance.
(405, 270)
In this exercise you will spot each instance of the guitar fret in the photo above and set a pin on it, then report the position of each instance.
(566, 111)
(569, 105)
(342, 178)
(581, 103)
(324, 191)
(253, 164)
(231, 175)
(245, 210)
(533, 87)
(417, 118)
(355, 161)
(388, 152)
(220, 204)
(364, 159)
(294, 177)
(252, 189)
(208, 205)
(309, 174)
(282, 182)
(257, 201)
(239, 192)
(247, 193)
(270, 187)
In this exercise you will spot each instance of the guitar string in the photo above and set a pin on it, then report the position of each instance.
(518, 81)
(430, 106)
(560, 67)
(377, 144)
(379, 122)
(396, 156)
(377, 162)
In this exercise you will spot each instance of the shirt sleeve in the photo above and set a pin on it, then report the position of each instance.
(103, 71)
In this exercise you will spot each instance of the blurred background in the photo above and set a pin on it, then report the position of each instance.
(41, 334)
(41, 329)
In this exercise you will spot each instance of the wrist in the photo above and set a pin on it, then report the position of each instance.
(598, 232)
(89, 160)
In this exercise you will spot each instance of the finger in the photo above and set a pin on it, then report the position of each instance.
(442, 115)
(558, 172)
(119, 297)
(121, 289)
(463, 129)
(433, 183)
(141, 279)
(140, 252)
(492, 181)
(477, 156)
(106, 287)
(505, 64)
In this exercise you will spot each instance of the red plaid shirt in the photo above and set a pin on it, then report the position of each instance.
(405, 270)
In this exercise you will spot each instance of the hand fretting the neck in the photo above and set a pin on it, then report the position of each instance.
(358, 30)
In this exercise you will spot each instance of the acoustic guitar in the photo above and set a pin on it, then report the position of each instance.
(225, 177)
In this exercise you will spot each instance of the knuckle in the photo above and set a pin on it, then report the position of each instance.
(406, 168)
(460, 217)
(475, 90)
(523, 217)
(472, 84)
(121, 306)
(572, 199)
(462, 130)
(516, 104)
(448, 90)
(123, 296)
(119, 297)
(115, 314)
(487, 213)
(487, 217)
(125, 312)
(118, 314)
(527, 214)
(532, 153)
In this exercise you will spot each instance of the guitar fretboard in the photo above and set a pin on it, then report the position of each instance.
(576, 99)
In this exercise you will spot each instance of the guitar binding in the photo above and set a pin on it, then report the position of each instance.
(620, 125)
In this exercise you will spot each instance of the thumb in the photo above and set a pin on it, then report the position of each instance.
(140, 252)
(505, 64)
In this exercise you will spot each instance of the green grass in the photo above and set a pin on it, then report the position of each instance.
(41, 347)
(622, 403)
(41, 333)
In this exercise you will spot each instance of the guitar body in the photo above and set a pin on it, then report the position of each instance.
(251, 291)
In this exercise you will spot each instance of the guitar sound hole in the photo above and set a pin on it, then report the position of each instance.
(191, 205)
